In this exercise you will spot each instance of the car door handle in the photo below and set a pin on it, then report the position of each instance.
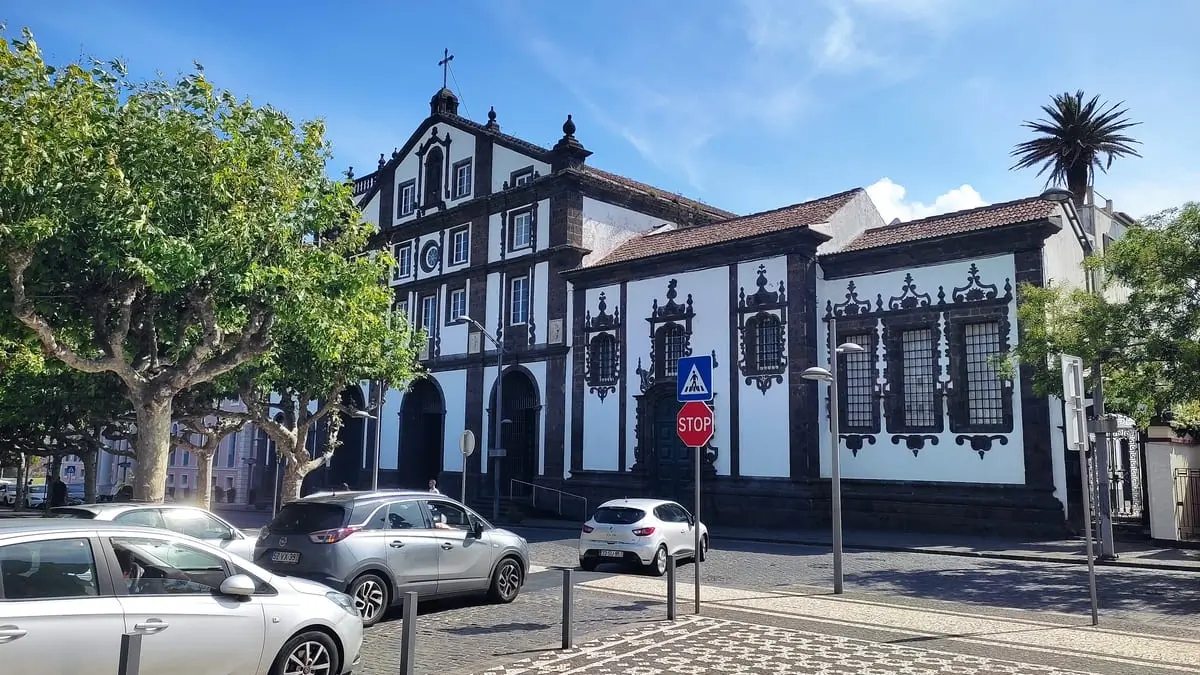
(10, 632)
(446, 546)
(396, 543)
(151, 626)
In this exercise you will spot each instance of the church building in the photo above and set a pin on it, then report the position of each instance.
(594, 285)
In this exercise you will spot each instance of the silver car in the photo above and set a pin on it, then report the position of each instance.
(70, 588)
(377, 546)
(190, 520)
(640, 532)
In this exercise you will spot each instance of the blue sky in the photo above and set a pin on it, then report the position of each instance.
(745, 104)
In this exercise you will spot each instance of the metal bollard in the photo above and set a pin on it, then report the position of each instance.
(131, 654)
(568, 587)
(670, 587)
(408, 635)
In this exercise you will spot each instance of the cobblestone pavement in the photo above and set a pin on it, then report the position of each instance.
(1144, 596)
(703, 646)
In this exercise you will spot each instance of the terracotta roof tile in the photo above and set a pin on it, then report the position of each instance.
(986, 217)
(801, 215)
(630, 184)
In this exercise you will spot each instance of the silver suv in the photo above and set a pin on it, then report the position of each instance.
(378, 545)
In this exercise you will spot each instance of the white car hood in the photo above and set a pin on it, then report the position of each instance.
(305, 586)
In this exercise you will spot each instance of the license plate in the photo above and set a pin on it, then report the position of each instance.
(290, 557)
(612, 554)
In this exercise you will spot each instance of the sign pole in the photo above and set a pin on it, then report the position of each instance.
(694, 389)
(1076, 426)
(835, 462)
(696, 528)
(466, 445)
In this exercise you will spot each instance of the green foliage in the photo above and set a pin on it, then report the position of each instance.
(1149, 341)
(1185, 418)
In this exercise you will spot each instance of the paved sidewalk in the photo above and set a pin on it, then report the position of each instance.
(703, 646)
(1129, 554)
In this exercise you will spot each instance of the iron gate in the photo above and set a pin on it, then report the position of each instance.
(1187, 503)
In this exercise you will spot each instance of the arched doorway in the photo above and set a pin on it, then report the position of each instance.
(422, 434)
(347, 459)
(519, 433)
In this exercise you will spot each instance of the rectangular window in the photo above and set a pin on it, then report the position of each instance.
(404, 263)
(428, 312)
(462, 178)
(521, 230)
(919, 372)
(408, 198)
(458, 303)
(858, 390)
(231, 455)
(768, 344)
(183, 480)
(402, 307)
(518, 309)
(460, 247)
(522, 177)
(985, 393)
(172, 458)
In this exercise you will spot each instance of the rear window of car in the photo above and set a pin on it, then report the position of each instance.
(302, 518)
(66, 512)
(618, 515)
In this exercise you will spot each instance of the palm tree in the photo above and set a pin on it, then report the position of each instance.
(1073, 140)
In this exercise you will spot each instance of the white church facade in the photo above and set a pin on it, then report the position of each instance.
(596, 285)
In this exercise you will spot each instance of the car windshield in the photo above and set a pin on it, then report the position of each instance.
(303, 518)
(618, 515)
(67, 512)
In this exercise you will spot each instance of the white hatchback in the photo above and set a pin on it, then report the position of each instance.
(70, 588)
(640, 532)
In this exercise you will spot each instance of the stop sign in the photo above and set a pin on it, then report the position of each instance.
(694, 424)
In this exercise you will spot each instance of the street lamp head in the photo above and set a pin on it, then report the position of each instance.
(818, 374)
(362, 415)
(850, 348)
(1057, 195)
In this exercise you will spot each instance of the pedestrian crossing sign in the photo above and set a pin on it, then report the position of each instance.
(694, 379)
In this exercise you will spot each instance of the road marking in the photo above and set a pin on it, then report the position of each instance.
(1122, 647)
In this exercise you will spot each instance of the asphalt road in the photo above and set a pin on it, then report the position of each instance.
(464, 637)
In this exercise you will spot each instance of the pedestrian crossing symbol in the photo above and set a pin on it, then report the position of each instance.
(695, 379)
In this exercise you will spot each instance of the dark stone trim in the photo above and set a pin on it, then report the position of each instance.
(447, 316)
(556, 370)
(412, 264)
(488, 358)
(423, 259)
(484, 151)
(803, 430)
(387, 198)
(623, 387)
(847, 327)
(956, 322)
(510, 229)
(652, 203)
(770, 245)
(450, 237)
(735, 440)
(566, 220)
(1035, 410)
(976, 244)
(894, 326)
(579, 303)
(521, 173)
(399, 192)
(454, 177)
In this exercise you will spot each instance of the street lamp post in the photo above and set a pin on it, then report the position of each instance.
(1093, 282)
(364, 415)
(496, 412)
(835, 464)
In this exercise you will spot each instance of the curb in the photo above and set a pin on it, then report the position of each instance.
(1020, 557)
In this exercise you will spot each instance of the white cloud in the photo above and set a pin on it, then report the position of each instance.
(889, 198)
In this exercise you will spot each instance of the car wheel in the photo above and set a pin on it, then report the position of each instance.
(703, 549)
(310, 652)
(506, 581)
(370, 593)
(658, 565)
(587, 564)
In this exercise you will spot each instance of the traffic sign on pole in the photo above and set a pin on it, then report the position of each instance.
(694, 379)
(694, 424)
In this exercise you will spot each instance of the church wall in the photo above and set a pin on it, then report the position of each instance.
(945, 455)
(454, 389)
(607, 226)
(569, 382)
(370, 212)
(389, 441)
(602, 424)
(497, 226)
(538, 370)
(709, 291)
(762, 401)
(506, 162)
(461, 147)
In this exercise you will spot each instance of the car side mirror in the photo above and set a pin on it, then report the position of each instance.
(476, 529)
(238, 586)
(229, 535)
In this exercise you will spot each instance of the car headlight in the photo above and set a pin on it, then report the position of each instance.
(344, 601)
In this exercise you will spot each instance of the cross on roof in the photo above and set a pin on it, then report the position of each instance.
(447, 57)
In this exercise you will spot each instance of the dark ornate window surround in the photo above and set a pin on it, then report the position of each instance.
(594, 326)
(847, 328)
(510, 229)
(401, 211)
(754, 312)
(670, 312)
(914, 309)
(430, 199)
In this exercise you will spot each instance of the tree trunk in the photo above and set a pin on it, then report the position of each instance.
(204, 470)
(1077, 181)
(22, 479)
(293, 478)
(152, 446)
(91, 463)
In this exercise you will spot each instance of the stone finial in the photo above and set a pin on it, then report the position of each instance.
(569, 127)
(568, 152)
(350, 173)
(491, 123)
(382, 161)
(395, 153)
